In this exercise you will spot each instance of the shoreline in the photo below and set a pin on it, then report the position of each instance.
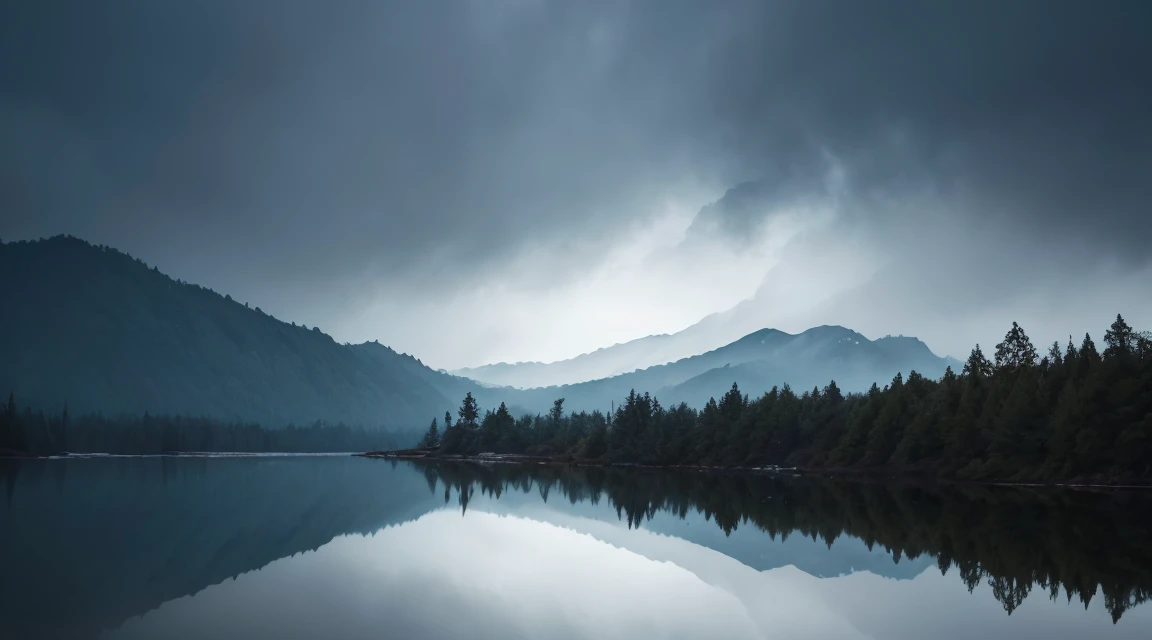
(868, 474)
(905, 476)
(22, 455)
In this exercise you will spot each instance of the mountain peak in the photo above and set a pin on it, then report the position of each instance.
(832, 331)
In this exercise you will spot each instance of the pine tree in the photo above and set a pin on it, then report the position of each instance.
(447, 420)
(432, 436)
(1016, 351)
(1119, 339)
(860, 423)
(556, 413)
(469, 412)
(889, 427)
(498, 426)
(833, 395)
(1087, 358)
(732, 404)
(977, 366)
(1088, 349)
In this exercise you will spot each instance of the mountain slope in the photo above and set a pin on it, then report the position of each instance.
(601, 363)
(733, 218)
(853, 361)
(756, 362)
(97, 329)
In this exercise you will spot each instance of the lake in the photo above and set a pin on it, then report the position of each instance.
(345, 547)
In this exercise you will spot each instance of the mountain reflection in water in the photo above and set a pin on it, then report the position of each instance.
(171, 547)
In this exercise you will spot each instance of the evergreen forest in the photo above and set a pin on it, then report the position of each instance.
(37, 433)
(1073, 413)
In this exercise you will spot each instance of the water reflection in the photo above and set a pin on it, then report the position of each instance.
(146, 548)
(1014, 538)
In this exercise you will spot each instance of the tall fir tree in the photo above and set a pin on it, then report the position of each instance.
(1119, 339)
(1016, 351)
(469, 412)
(432, 436)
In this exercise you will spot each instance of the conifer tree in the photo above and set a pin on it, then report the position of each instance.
(977, 367)
(1016, 351)
(1088, 349)
(556, 413)
(1119, 339)
(469, 412)
(889, 426)
(432, 436)
(732, 404)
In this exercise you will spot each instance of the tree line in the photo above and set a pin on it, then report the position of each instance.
(47, 434)
(1074, 413)
(1017, 540)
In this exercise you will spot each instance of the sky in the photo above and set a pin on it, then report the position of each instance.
(479, 180)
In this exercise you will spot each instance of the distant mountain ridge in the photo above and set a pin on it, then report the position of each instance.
(660, 350)
(604, 362)
(757, 362)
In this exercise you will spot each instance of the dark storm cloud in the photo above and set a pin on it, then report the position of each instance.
(280, 141)
(327, 136)
(1037, 111)
(739, 213)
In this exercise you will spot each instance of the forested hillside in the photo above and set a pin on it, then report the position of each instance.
(100, 331)
(1073, 414)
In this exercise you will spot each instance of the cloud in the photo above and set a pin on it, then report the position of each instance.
(349, 164)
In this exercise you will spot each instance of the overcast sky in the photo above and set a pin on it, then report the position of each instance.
(525, 179)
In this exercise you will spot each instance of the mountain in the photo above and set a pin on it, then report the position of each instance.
(731, 220)
(102, 331)
(618, 359)
(845, 356)
(601, 363)
(756, 362)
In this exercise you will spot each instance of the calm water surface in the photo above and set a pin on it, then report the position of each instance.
(341, 547)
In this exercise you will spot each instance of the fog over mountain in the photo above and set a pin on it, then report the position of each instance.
(481, 182)
(101, 332)
(756, 362)
(628, 365)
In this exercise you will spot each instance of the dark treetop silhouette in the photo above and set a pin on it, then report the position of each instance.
(1073, 414)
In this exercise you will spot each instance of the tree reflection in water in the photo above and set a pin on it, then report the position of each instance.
(1017, 539)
